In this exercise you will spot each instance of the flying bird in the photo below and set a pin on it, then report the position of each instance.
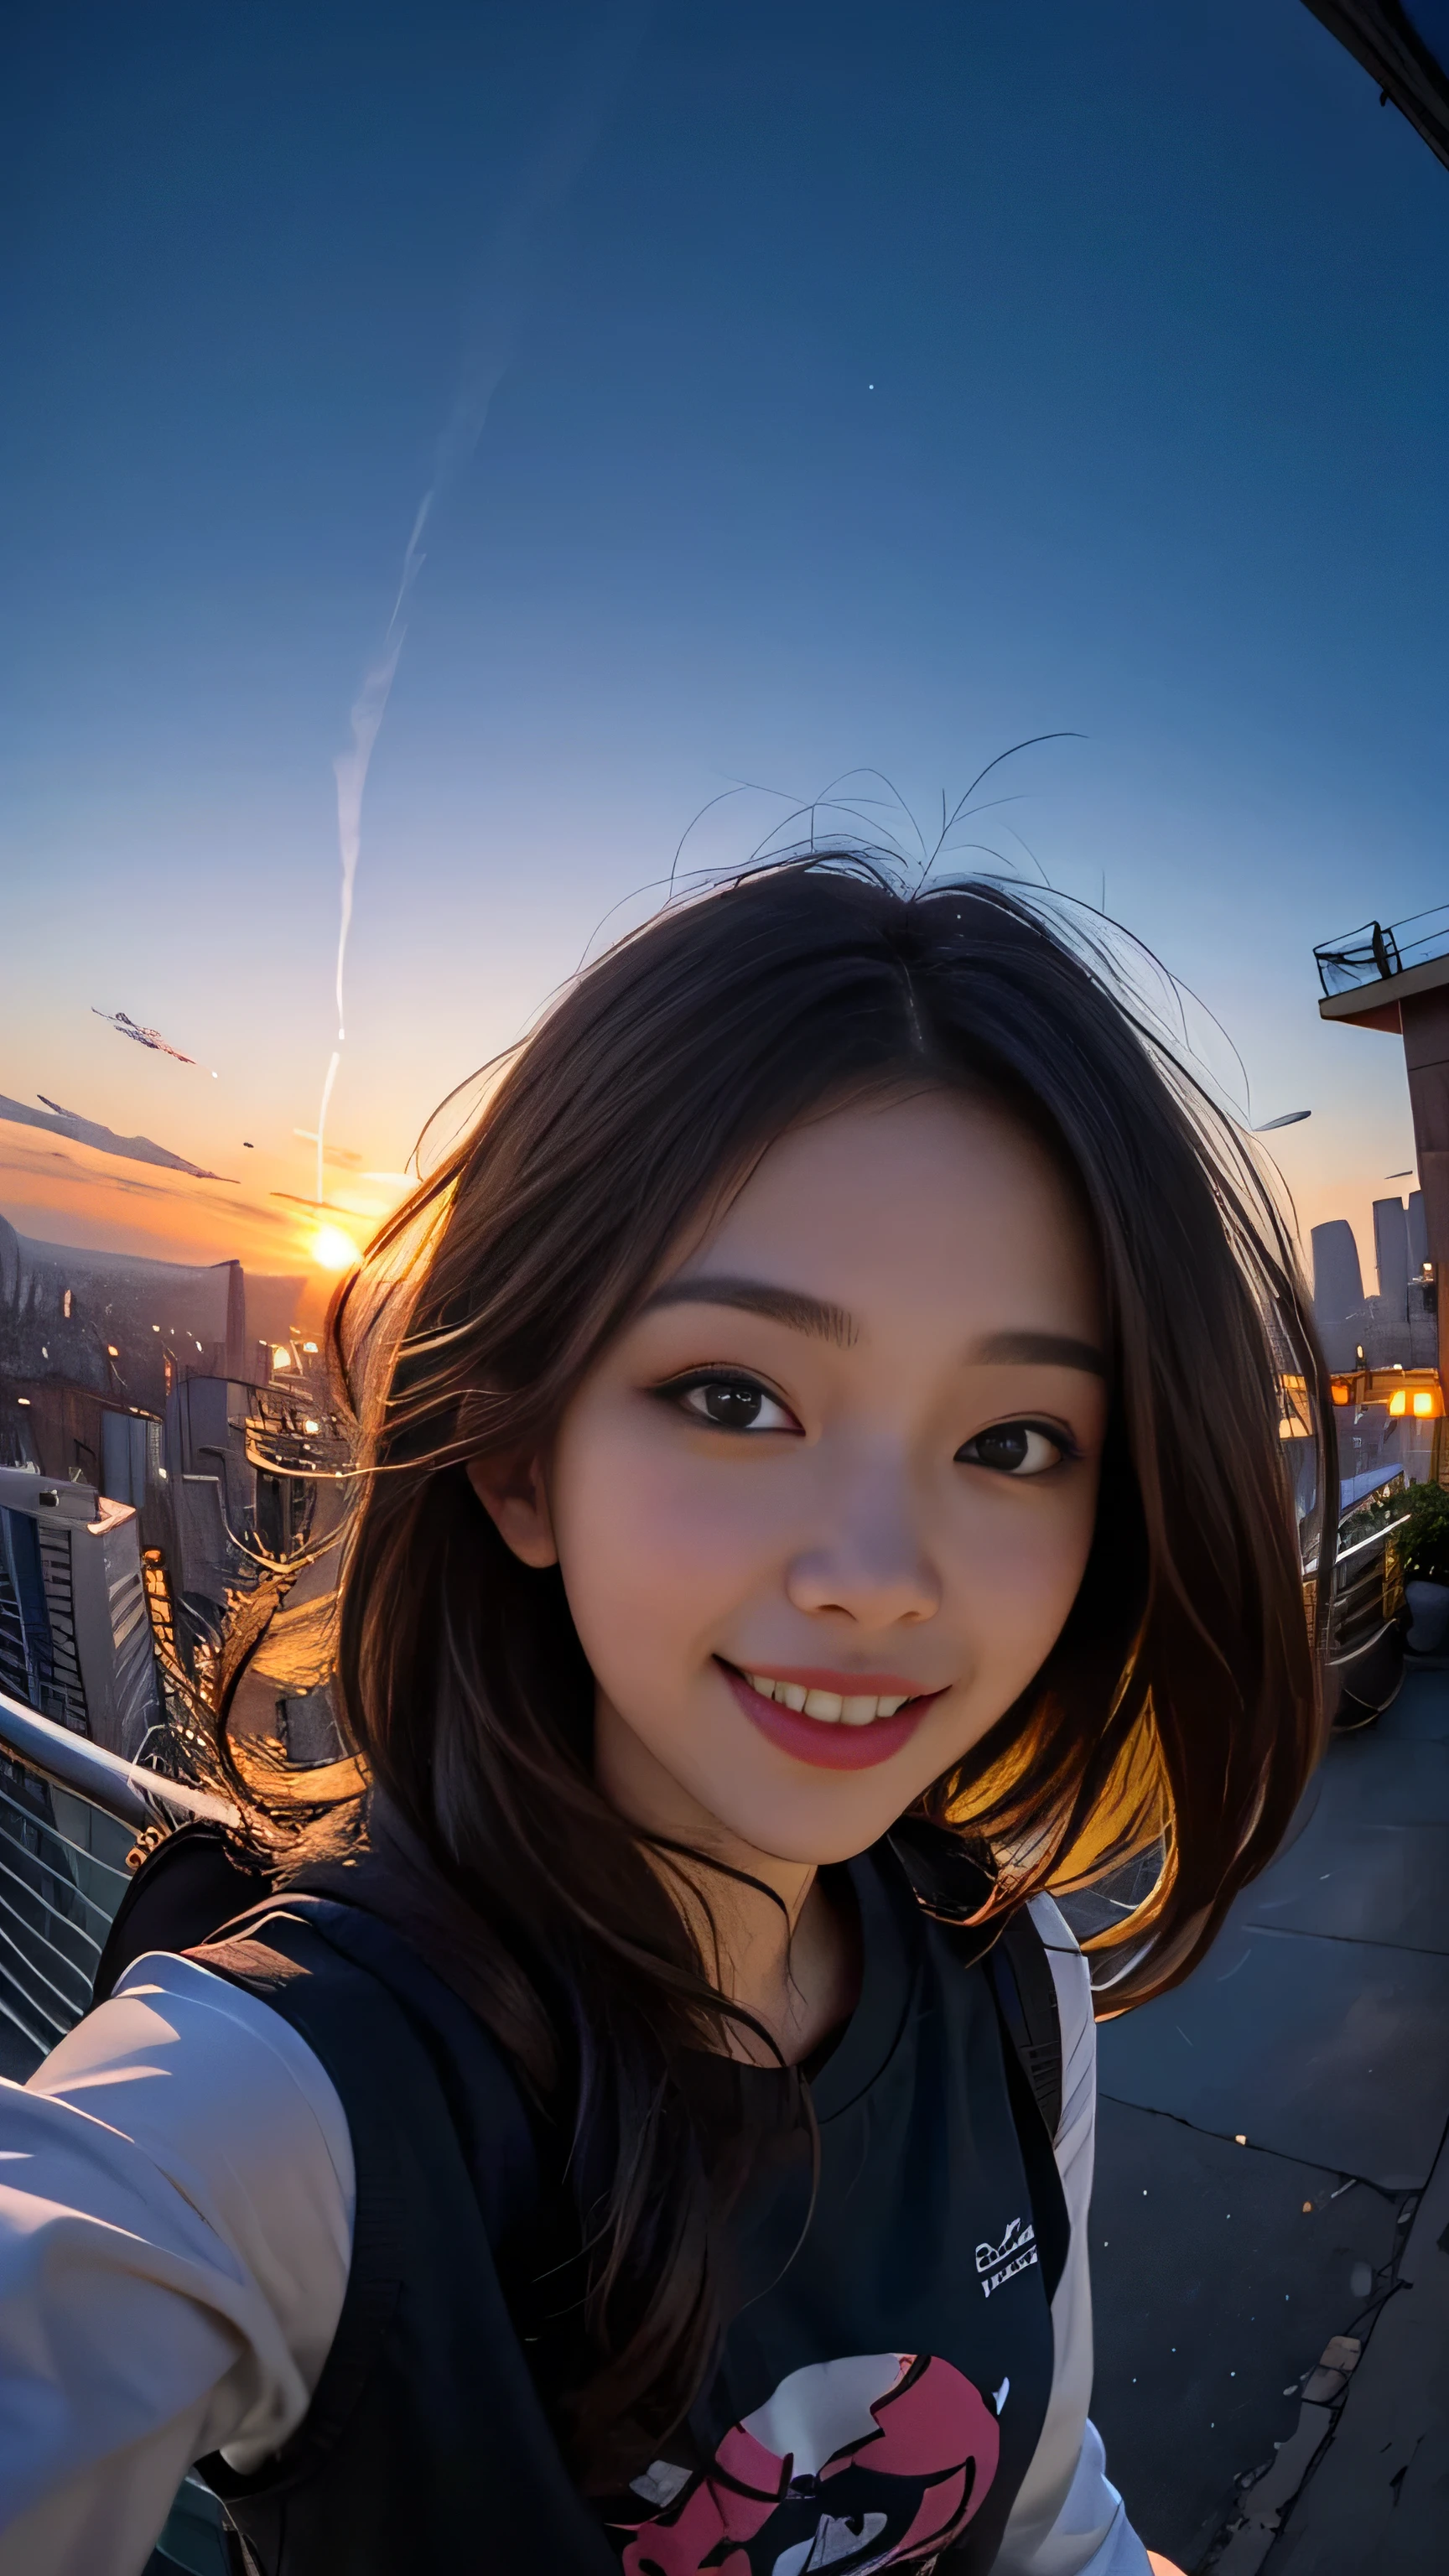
(130, 1028)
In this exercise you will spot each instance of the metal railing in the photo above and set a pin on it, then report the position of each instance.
(69, 1815)
(1375, 951)
(1368, 1581)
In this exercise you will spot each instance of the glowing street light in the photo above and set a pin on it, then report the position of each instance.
(1425, 1403)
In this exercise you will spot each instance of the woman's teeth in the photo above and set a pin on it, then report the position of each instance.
(829, 1706)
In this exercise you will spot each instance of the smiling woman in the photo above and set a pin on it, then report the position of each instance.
(806, 1081)
(821, 1490)
(756, 1312)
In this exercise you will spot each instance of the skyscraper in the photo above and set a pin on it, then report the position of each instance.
(1418, 1234)
(75, 1640)
(1337, 1289)
(1391, 1255)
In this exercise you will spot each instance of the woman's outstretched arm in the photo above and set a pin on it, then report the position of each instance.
(176, 2192)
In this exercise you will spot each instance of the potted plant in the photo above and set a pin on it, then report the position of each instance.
(1423, 1545)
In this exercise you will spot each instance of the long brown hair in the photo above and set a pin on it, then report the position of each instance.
(1181, 1702)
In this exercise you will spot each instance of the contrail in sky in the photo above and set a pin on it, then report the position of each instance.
(508, 275)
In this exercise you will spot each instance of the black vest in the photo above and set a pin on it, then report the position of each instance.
(427, 2446)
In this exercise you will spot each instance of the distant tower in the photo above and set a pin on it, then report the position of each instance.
(1418, 1234)
(1391, 1252)
(1337, 1289)
(75, 1640)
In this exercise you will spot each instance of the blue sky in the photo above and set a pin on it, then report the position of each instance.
(888, 383)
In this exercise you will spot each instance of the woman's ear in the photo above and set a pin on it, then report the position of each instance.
(512, 1493)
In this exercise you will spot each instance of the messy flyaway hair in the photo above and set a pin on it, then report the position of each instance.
(1180, 1707)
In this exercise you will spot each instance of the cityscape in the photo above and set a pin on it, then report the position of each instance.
(159, 1457)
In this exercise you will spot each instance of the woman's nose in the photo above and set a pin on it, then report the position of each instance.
(866, 1559)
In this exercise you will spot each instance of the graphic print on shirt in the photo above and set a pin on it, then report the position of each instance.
(1001, 2263)
(877, 2460)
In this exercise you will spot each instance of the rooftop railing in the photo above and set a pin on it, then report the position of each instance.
(70, 1813)
(1374, 952)
(1368, 1581)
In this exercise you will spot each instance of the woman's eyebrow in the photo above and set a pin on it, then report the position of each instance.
(1044, 1350)
(792, 1306)
(830, 1323)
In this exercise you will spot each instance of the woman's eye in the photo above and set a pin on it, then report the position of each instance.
(734, 1404)
(1015, 1449)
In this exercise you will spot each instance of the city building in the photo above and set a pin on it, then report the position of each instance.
(1337, 1290)
(161, 1444)
(75, 1640)
(1397, 1327)
(1391, 1254)
(124, 1328)
(84, 1334)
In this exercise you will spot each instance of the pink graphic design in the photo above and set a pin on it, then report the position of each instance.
(877, 2460)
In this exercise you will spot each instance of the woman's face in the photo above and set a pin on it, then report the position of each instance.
(823, 1506)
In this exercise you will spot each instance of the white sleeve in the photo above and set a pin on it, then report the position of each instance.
(176, 2203)
(1068, 2519)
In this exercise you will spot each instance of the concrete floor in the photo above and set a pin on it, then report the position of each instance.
(1270, 2173)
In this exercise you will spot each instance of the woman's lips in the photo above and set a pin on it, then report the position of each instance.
(830, 1745)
